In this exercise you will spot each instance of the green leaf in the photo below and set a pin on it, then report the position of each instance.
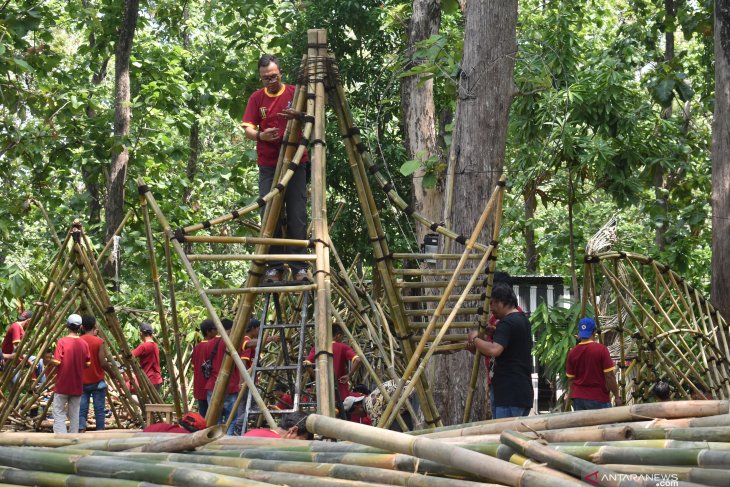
(429, 181)
(684, 91)
(409, 167)
(23, 65)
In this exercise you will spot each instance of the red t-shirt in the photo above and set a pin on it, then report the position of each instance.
(262, 111)
(364, 419)
(71, 358)
(200, 355)
(165, 428)
(94, 373)
(234, 380)
(262, 433)
(149, 359)
(13, 336)
(341, 356)
(588, 362)
(247, 353)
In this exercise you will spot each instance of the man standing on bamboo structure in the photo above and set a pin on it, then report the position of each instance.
(201, 373)
(511, 352)
(14, 334)
(590, 371)
(93, 376)
(345, 363)
(264, 121)
(148, 354)
(70, 359)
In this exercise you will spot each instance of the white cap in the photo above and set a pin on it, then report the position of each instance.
(350, 401)
(73, 320)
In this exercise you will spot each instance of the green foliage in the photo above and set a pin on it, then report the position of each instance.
(555, 329)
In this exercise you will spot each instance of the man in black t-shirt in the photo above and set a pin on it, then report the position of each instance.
(512, 354)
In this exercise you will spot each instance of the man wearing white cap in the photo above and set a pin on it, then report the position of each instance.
(590, 371)
(70, 359)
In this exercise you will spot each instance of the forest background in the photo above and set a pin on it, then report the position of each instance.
(611, 114)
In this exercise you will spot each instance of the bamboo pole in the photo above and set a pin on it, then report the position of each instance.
(484, 467)
(13, 476)
(185, 442)
(159, 302)
(175, 324)
(117, 232)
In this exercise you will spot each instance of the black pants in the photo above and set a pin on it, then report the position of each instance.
(295, 205)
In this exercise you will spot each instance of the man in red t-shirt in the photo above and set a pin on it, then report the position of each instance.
(14, 334)
(148, 354)
(264, 121)
(93, 377)
(293, 427)
(355, 409)
(342, 357)
(200, 355)
(70, 359)
(216, 350)
(190, 423)
(590, 371)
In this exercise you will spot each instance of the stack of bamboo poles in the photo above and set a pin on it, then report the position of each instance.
(74, 285)
(658, 326)
(659, 444)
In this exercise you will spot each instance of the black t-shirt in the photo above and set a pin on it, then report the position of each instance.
(512, 379)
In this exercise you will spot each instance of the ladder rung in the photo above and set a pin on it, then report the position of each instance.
(283, 287)
(285, 325)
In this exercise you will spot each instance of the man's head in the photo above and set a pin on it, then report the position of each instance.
(193, 422)
(146, 329)
(662, 391)
(586, 327)
(227, 325)
(88, 323)
(295, 425)
(269, 73)
(73, 322)
(207, 328)
(253, 327)
(354, 404)
(279, 390)
(503, 300)
(25, 315)
(338, 334)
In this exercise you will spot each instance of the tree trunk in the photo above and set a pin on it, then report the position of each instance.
(486, 89)
(531, 257)
(418, 110)
(721, 163)
(661, 192)
(114, 208)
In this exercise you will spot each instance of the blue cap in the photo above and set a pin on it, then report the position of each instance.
(586, 326)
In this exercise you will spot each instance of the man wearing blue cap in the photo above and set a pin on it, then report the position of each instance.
(590, 371)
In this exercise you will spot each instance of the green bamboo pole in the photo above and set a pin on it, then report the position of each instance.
(175, 324)
(117, 232)
(485, 467)
(698, 457)
(699, 476)
(115, 468)
(42, 478)
(563, 462)
(160, 305)
(185, 442)
(224, 239)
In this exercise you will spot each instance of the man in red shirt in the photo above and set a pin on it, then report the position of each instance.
(264, 121)
(71, 357)
(216, 350)
(200, 355)
(93, 377)
(590, 371)
(148, 354)
(190, 423)
(14, 334)
(342, 357)
(293, 427)
(355, 409)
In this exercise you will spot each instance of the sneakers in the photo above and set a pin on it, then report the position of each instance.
(301, 275)
(273, 275)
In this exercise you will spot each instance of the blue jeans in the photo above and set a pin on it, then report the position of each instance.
(97, 393)
(228, 403)
(203, 407)
(586, 404)
(510, 412)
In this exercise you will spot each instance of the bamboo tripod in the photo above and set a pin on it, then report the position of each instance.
(657, 327)
(74, 285)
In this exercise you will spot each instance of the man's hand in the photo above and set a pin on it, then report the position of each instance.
(618, 401)
(268, 135)
(290, 113)
(490, 330)
(344, 379)
(273, 338)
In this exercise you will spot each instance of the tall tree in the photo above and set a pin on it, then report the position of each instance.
(721, 163)
(485, 92)
(419, 112)
(114, 207)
